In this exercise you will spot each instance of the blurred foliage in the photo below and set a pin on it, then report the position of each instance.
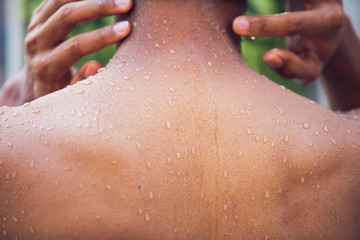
(252, 50)
(102, 56)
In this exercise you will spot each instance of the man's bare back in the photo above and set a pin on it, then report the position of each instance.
(180, 139)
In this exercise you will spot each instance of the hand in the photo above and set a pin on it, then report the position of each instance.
(315, 34)
(49, 56)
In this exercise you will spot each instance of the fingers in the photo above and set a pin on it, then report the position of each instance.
(72, 50)
(289, 65)
(45, 10)
(78, 12)
(88, 69)
(312, 22)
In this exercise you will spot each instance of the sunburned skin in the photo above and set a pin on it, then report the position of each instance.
(177, 138)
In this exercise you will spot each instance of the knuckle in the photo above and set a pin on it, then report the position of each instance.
(65, 11)
(74, 46)
(102, 6)
(31, 42)
(295, 25)
(258, 25)
(101, 3)
(338, 16)
(104, 33)
(40, 66)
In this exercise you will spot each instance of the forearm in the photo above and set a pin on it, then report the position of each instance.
(13, 92)
(341, 76)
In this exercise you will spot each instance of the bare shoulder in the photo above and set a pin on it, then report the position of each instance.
(53, 187)
(85, 164)
(288, 161)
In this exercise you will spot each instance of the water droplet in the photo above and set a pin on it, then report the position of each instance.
(10, 145)
(31, 230)
(267, 194)
(225, 207)
(15, 219)
(36, 111)
(225, 174)
(138, 145)
(108, 187)
(272, 145)
(171, 89)
(286, 139)
(149, 165)
(333, 141)
(151, 195)
(126, 77)
(310, 145)
(305, 125)
(209, 64)
(149, 36)
(249, 131)
(87, 82)
(80, 91)
(156, 45)
(168, 124)
(172, 51)
(317, 186)
(302, 180)
(4, 232)
(253, 38)
(240, 154)
(147, 217)
(178, 155)
(16, 114)
(265, 139)
(326, 129)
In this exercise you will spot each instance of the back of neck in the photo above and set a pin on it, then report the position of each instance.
(169, 29)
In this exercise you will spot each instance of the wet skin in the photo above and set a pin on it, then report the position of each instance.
(179, 139)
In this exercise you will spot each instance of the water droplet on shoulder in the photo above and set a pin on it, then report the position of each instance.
(147, 217)
(267, 194)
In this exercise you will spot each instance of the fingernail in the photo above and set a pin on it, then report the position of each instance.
(274, 62)
(242, 25)
(122, 3)
(119, 28)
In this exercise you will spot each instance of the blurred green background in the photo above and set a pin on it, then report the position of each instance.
(253, 50)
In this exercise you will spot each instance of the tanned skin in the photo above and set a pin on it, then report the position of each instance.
(177, 138)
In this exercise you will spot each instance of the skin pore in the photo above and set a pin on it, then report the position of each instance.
(177, 138)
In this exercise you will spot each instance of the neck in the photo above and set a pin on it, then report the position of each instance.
(182, 28)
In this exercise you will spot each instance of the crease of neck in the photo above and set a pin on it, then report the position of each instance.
(181, 26)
